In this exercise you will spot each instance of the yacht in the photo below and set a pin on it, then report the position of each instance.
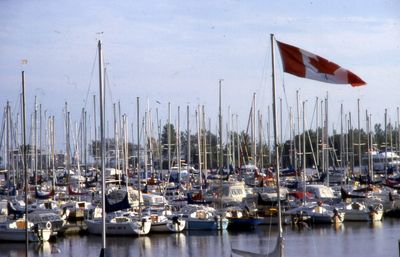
(380, 160)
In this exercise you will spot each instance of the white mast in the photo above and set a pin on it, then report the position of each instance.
(326, 141)
(53, 156)
(188, 160)
(204, 137)
(138, 156)
(359, 133)
(253, 131)
(103, 147)
(297, 158)
(116, 145)
(304, 151)
(178, 144)
(341, 138)
(199, 144)
(169, 138)
(95, 130)
(398, 130)
(386, 143)
(317, 133)
(25, 164)
(221, 153)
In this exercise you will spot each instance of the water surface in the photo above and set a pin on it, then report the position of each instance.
(348, 239)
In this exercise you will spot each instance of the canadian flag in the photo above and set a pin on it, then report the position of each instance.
(304, 64)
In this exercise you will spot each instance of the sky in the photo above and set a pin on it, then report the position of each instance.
(177, 51)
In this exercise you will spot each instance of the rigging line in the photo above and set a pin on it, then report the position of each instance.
(13, 127)
(311, 145)
(264, 68)
(2, 130)
(108, 87)
(107, 78)
(314, 113)
(91, 78)
(263, 80)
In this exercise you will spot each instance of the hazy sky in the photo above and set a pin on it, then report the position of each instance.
(176, 51)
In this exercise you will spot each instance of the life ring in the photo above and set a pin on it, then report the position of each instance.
(48, 225)
(379, 207)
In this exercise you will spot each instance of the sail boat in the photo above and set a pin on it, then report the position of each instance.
(278, 250)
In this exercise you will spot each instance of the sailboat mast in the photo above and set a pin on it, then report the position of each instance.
(359, 133)
(304, 151)
(34, 127)
(25, 162)
(291, 136)
(297, 157)
(7, 140)
(221, 156)
(52, 126)
(372, 146)
(85, 140)
(103, 147)
(253, 131)
(188, 160)
(169, 138)
(204, 137)
(116, 147)
(95, 131)
(178, 143)
(269, 141)
(317, 133)
(326, 153)
(274, 113)
(199, 145)
(138, 154)
(341, 138)
(398, 130)
(281, 127)
(386, 143)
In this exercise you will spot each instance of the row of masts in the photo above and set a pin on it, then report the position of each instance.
(352, 143)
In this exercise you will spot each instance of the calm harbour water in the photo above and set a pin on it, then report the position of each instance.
(348, 239)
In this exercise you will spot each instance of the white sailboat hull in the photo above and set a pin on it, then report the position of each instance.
(168, 226)
(17, 235)
(355, 215)
(121, 228)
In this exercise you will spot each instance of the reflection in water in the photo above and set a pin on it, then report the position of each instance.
(13, 249)
(375, 224)
(348, 239)
(179, 243)
(44, 249)
(338, 227)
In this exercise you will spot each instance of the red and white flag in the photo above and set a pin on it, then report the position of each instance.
(304, 64)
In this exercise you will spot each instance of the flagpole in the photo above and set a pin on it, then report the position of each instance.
(274, 112)
(103, 149)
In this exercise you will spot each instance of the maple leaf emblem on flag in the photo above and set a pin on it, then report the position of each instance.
(305, 64)
(322, 65)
